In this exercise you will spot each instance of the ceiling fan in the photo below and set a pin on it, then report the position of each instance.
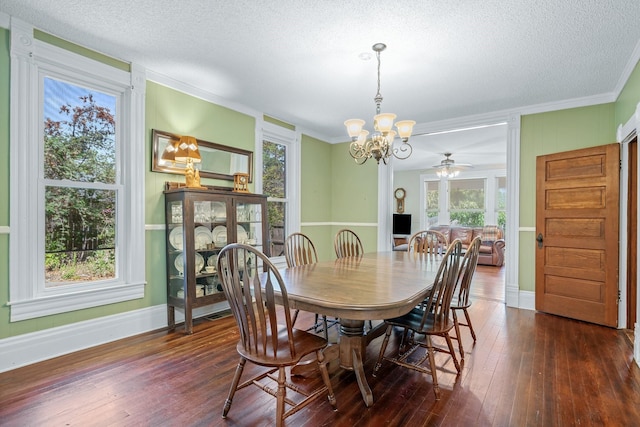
(448, 168)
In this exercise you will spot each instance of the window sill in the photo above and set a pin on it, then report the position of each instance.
(46, 306)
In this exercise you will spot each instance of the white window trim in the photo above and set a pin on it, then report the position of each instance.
(292, 140)
(27, 298)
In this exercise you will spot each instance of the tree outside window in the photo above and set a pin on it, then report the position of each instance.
(80, 176)
(274, 160)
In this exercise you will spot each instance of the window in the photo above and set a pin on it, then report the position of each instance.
(77, 185)
(274, 184)
(501, 201)
(432, 202)
(278, 177)
(467, 201)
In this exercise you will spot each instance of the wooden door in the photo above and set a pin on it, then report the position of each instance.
(577, 218)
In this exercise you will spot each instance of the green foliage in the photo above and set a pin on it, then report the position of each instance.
(79, 146)
(273, 180)
(502, 220)
(469, 219)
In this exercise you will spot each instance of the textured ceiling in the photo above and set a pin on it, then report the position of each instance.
(298, 60)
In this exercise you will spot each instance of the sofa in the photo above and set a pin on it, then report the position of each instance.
(491, 248)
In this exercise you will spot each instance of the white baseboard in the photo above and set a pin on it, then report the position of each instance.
(527, 300)
(27, 349)
(516, 298)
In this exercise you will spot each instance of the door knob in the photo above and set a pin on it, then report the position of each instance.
(539, 240)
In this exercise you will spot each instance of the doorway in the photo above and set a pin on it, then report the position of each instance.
(485, 148)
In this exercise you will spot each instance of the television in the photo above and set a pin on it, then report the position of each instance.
(402, 224)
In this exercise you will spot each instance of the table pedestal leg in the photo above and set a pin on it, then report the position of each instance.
(353, 344)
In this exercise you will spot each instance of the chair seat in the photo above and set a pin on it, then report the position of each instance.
(413, 319)
(457, 305)
(303, 342)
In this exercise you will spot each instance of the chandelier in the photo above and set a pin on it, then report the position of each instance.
(380, 144)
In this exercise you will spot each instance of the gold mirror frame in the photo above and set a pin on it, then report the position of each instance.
(218, 161)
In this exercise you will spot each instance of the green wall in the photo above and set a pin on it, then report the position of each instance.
(315, 191)
(547, 133)
(172, 111)
(354, 195)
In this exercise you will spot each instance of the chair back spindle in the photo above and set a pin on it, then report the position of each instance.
(253, 301)
(299, 250)
(347, 244)
(428, 241)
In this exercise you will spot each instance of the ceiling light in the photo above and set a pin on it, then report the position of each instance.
(380, 144)
(448, 168)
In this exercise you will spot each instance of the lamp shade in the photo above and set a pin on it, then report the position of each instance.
(354, 127)
(187, 149)
(405, 127)
(383, 122)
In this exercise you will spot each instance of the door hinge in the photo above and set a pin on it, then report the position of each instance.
(619, 296)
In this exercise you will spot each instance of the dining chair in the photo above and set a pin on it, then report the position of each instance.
(428, 241)
(347, 243)
(430, 319)
(267, 337)
(300, 250)
(460, 300)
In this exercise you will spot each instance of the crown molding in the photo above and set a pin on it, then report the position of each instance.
(628, 69)
(172, 83)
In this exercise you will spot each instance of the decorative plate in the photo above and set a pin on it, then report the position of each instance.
(203, 237)
(219, 234)
(175, 238)
(242, 234)
(179, 263)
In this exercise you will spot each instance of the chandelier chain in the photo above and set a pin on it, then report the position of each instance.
(378, 97)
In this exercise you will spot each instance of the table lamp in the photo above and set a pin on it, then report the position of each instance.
(187, 152)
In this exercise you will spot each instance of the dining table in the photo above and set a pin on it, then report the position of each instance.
(374, 286)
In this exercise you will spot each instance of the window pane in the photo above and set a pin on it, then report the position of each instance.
(466, 194)
(501, 193)
(79, 235)
(79, 133)
(277, 215)
(431, 191)
(274, 175)
(274, 158)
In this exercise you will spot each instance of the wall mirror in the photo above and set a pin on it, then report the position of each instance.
(218, 161)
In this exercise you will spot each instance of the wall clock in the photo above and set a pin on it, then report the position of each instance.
(399, 194)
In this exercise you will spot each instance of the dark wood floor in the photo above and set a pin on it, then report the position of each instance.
(527, 369)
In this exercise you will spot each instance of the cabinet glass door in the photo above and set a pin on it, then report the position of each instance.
(175, 248)
(210, 234)
(249, 219)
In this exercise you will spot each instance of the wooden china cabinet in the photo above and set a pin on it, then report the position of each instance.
(199, 223)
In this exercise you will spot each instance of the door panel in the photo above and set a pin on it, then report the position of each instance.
(577, 206)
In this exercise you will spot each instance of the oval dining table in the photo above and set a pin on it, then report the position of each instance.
(375, 286)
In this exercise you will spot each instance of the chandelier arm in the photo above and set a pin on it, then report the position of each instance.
(403, 151)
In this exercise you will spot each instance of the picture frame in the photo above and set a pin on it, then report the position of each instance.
(218, 161)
